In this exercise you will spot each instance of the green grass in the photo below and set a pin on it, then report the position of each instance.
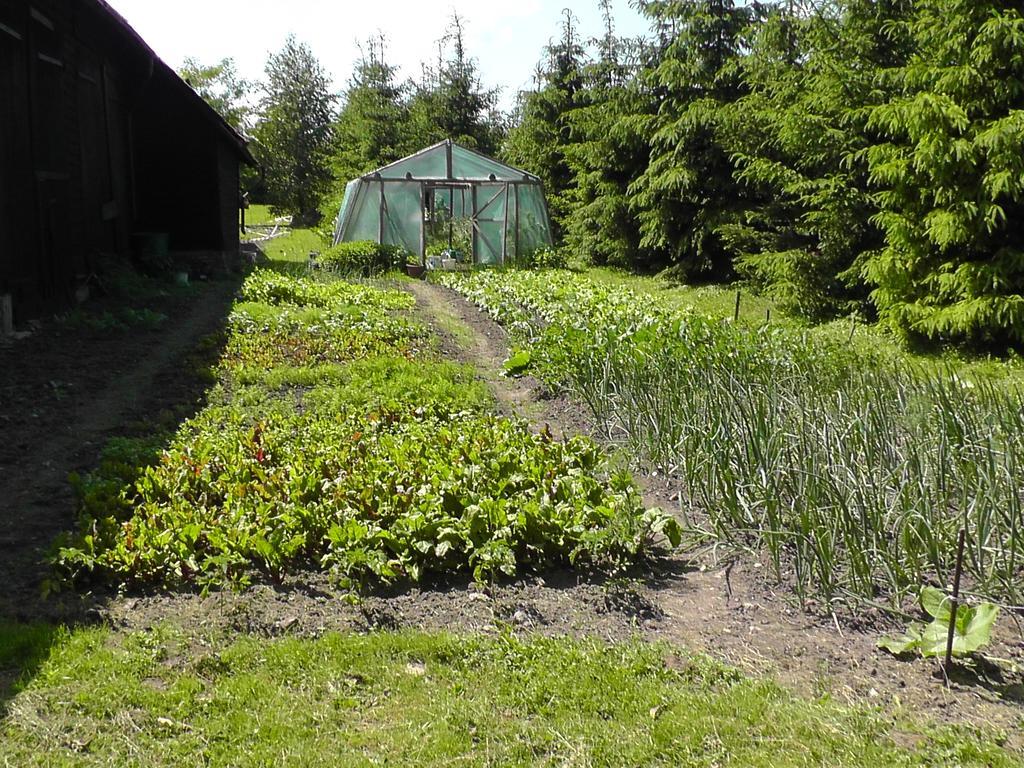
(411, 699)
(713, 300)
(293, 248)
(259, 215)
(449, 322)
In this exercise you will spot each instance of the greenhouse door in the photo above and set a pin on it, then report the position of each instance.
(448, 214)
(490, 223)
(401, 215)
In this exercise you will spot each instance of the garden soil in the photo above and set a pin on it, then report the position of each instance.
(68, 388)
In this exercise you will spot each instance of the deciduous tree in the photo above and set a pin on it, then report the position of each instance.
(222, 88)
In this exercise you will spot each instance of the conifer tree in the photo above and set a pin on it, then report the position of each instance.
(293, 134)
(796, 141)
(450, 100)
(369, 131)
(951, 169)
(608, 150)
(538, 141)
(687, 193)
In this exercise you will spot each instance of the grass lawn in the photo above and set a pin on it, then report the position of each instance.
(257, 215)
(161, 698)
(293, 248)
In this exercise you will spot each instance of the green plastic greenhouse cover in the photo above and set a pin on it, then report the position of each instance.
(506, 206)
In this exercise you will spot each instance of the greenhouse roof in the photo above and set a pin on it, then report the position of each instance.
(448, 161)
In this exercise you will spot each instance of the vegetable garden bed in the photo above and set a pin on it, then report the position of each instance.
(852, 470)
(336, 439)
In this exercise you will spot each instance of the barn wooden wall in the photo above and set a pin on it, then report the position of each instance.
(65, 189)
(97, 139)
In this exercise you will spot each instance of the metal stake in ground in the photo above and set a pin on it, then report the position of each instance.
(961, 539)
(736, 316)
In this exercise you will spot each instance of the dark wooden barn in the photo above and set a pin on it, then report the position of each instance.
(99, 141)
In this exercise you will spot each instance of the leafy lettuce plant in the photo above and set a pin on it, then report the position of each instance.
(518, 362)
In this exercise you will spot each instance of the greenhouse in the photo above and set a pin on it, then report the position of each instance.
(448, 203)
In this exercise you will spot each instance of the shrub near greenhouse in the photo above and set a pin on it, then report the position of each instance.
(364, 258)
(855, 474)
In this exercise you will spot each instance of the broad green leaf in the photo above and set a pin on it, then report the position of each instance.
(935, 603)
(933, 641)
(517, 363)
(972, 632)
(899, 645)
(979, 626)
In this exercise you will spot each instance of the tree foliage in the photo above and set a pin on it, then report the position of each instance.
(293, 132)
(450, 101)
(223, 89)
(539, 140)
(846, 156)
(687, 193)
(369, 129)
(950, 164)
(800, 129)
(841, 156)
(609, 148)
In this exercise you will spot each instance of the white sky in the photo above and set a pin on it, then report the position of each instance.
(506, 37)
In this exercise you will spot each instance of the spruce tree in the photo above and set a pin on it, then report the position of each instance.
(797, 139)
(450, 101)
(687, 193)
(537, 143)
(370, 129)
(950, 167)
(609, 149)
(293, 134)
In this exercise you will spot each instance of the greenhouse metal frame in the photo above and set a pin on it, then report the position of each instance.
(446, 182)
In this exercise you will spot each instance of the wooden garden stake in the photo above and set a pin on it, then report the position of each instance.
(961, 540)
(736, 316)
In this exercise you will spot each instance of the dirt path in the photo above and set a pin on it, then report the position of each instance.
(65, 395)
(730, 609)
(471, 337)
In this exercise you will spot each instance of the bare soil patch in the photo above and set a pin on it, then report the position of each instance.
(556, 604)
(64, 392)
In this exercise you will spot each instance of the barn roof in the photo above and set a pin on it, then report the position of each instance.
(160, 68)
